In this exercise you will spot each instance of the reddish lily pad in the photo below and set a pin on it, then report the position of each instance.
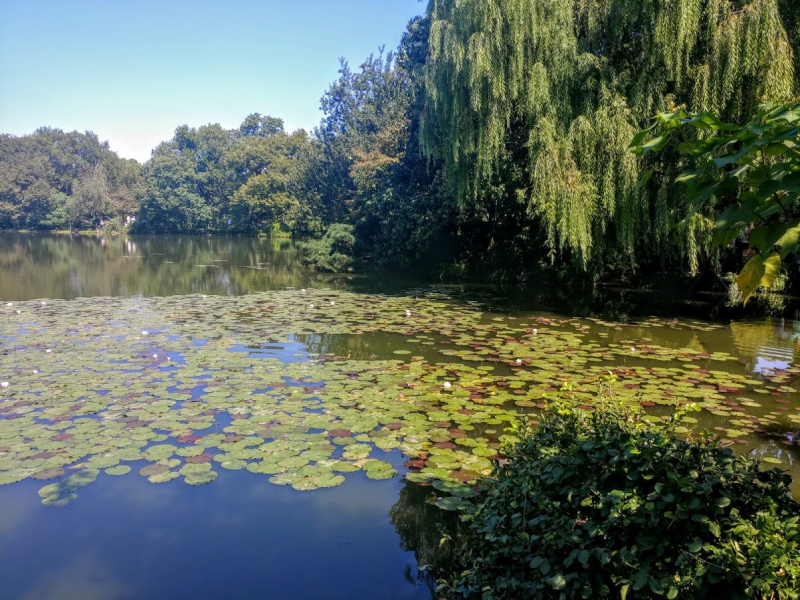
(200, 458)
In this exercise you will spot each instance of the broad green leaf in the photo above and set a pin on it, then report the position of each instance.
(724, 161)
(689, 175)
(655, 144)
(558, 582)
(645, 178)
(790, 183)
(702, 192)
(760, 271)
(639, 138)
(738, 213)
(724, 237)
(788, 241)
(766, 236)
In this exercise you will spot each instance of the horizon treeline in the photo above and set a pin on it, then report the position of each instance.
(496, 134)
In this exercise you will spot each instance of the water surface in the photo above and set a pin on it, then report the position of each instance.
(243, 537)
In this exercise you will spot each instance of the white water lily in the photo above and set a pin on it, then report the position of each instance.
(633, 349)
(519, 361)
(48, 351)
(535, 331)
(5, 384)
(408, 313)
(43, 303)
(310, 306)
(145, 333)
(35, 371)
(332, 302)
(447, 384)
(9, 304)
(19, 312)
(155, 355)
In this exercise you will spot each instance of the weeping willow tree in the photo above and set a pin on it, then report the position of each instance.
(531, 106)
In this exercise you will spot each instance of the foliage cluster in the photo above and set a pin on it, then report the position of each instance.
(333, 252)
(531, 104)
(747, 177)
(496, 135)
(52, 180)
(240, 180)
(606, 504)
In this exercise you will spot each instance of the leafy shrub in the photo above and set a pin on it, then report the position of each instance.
(333, 252)
(751, 173)
(605, 504)
(113, 226)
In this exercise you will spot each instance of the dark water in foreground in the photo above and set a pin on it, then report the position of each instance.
(237, 538)
(242, 537)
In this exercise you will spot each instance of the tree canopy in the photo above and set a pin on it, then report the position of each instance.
(52, 179)
(495, 137)
(531, 105)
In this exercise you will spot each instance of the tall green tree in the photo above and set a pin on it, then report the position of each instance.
(190, 166)
(90, 198)
(271, 173)
(261, 125)
(170, 195)
(41, 174)
(371, 172)
(531, 105)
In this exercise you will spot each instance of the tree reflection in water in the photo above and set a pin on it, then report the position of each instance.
(421, 527)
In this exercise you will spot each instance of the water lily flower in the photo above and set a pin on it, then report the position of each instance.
(204, 296)
(8, 304)
(48, 351)
(633, 349)
(145, 333)
(332, 302)
(310, 306)
(5, 384)
(43, 303)
(155, 355)
(519, 361)
(408, 313)
(535, 331)
(447, 384)
(19, 312)
(35, 371)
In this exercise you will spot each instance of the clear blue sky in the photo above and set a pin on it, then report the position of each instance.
(132, 71)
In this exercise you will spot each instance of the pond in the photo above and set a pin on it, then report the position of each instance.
(194, 416)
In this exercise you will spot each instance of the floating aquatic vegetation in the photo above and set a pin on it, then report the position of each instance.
(183, 386)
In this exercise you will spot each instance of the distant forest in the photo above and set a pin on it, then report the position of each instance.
(496, 135)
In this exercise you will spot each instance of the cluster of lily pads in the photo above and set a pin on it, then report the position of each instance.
(184, 386)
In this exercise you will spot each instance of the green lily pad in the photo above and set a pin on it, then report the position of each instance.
(163, 477)
(200, 478)
(452, 503)
(381, 474)
(118, 470)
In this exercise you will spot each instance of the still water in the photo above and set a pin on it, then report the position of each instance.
(241, 536)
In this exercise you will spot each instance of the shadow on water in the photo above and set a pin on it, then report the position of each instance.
(422, 527)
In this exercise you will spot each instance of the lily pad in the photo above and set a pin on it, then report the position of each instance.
(200, 478)
(117, 470)
(452, 503)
